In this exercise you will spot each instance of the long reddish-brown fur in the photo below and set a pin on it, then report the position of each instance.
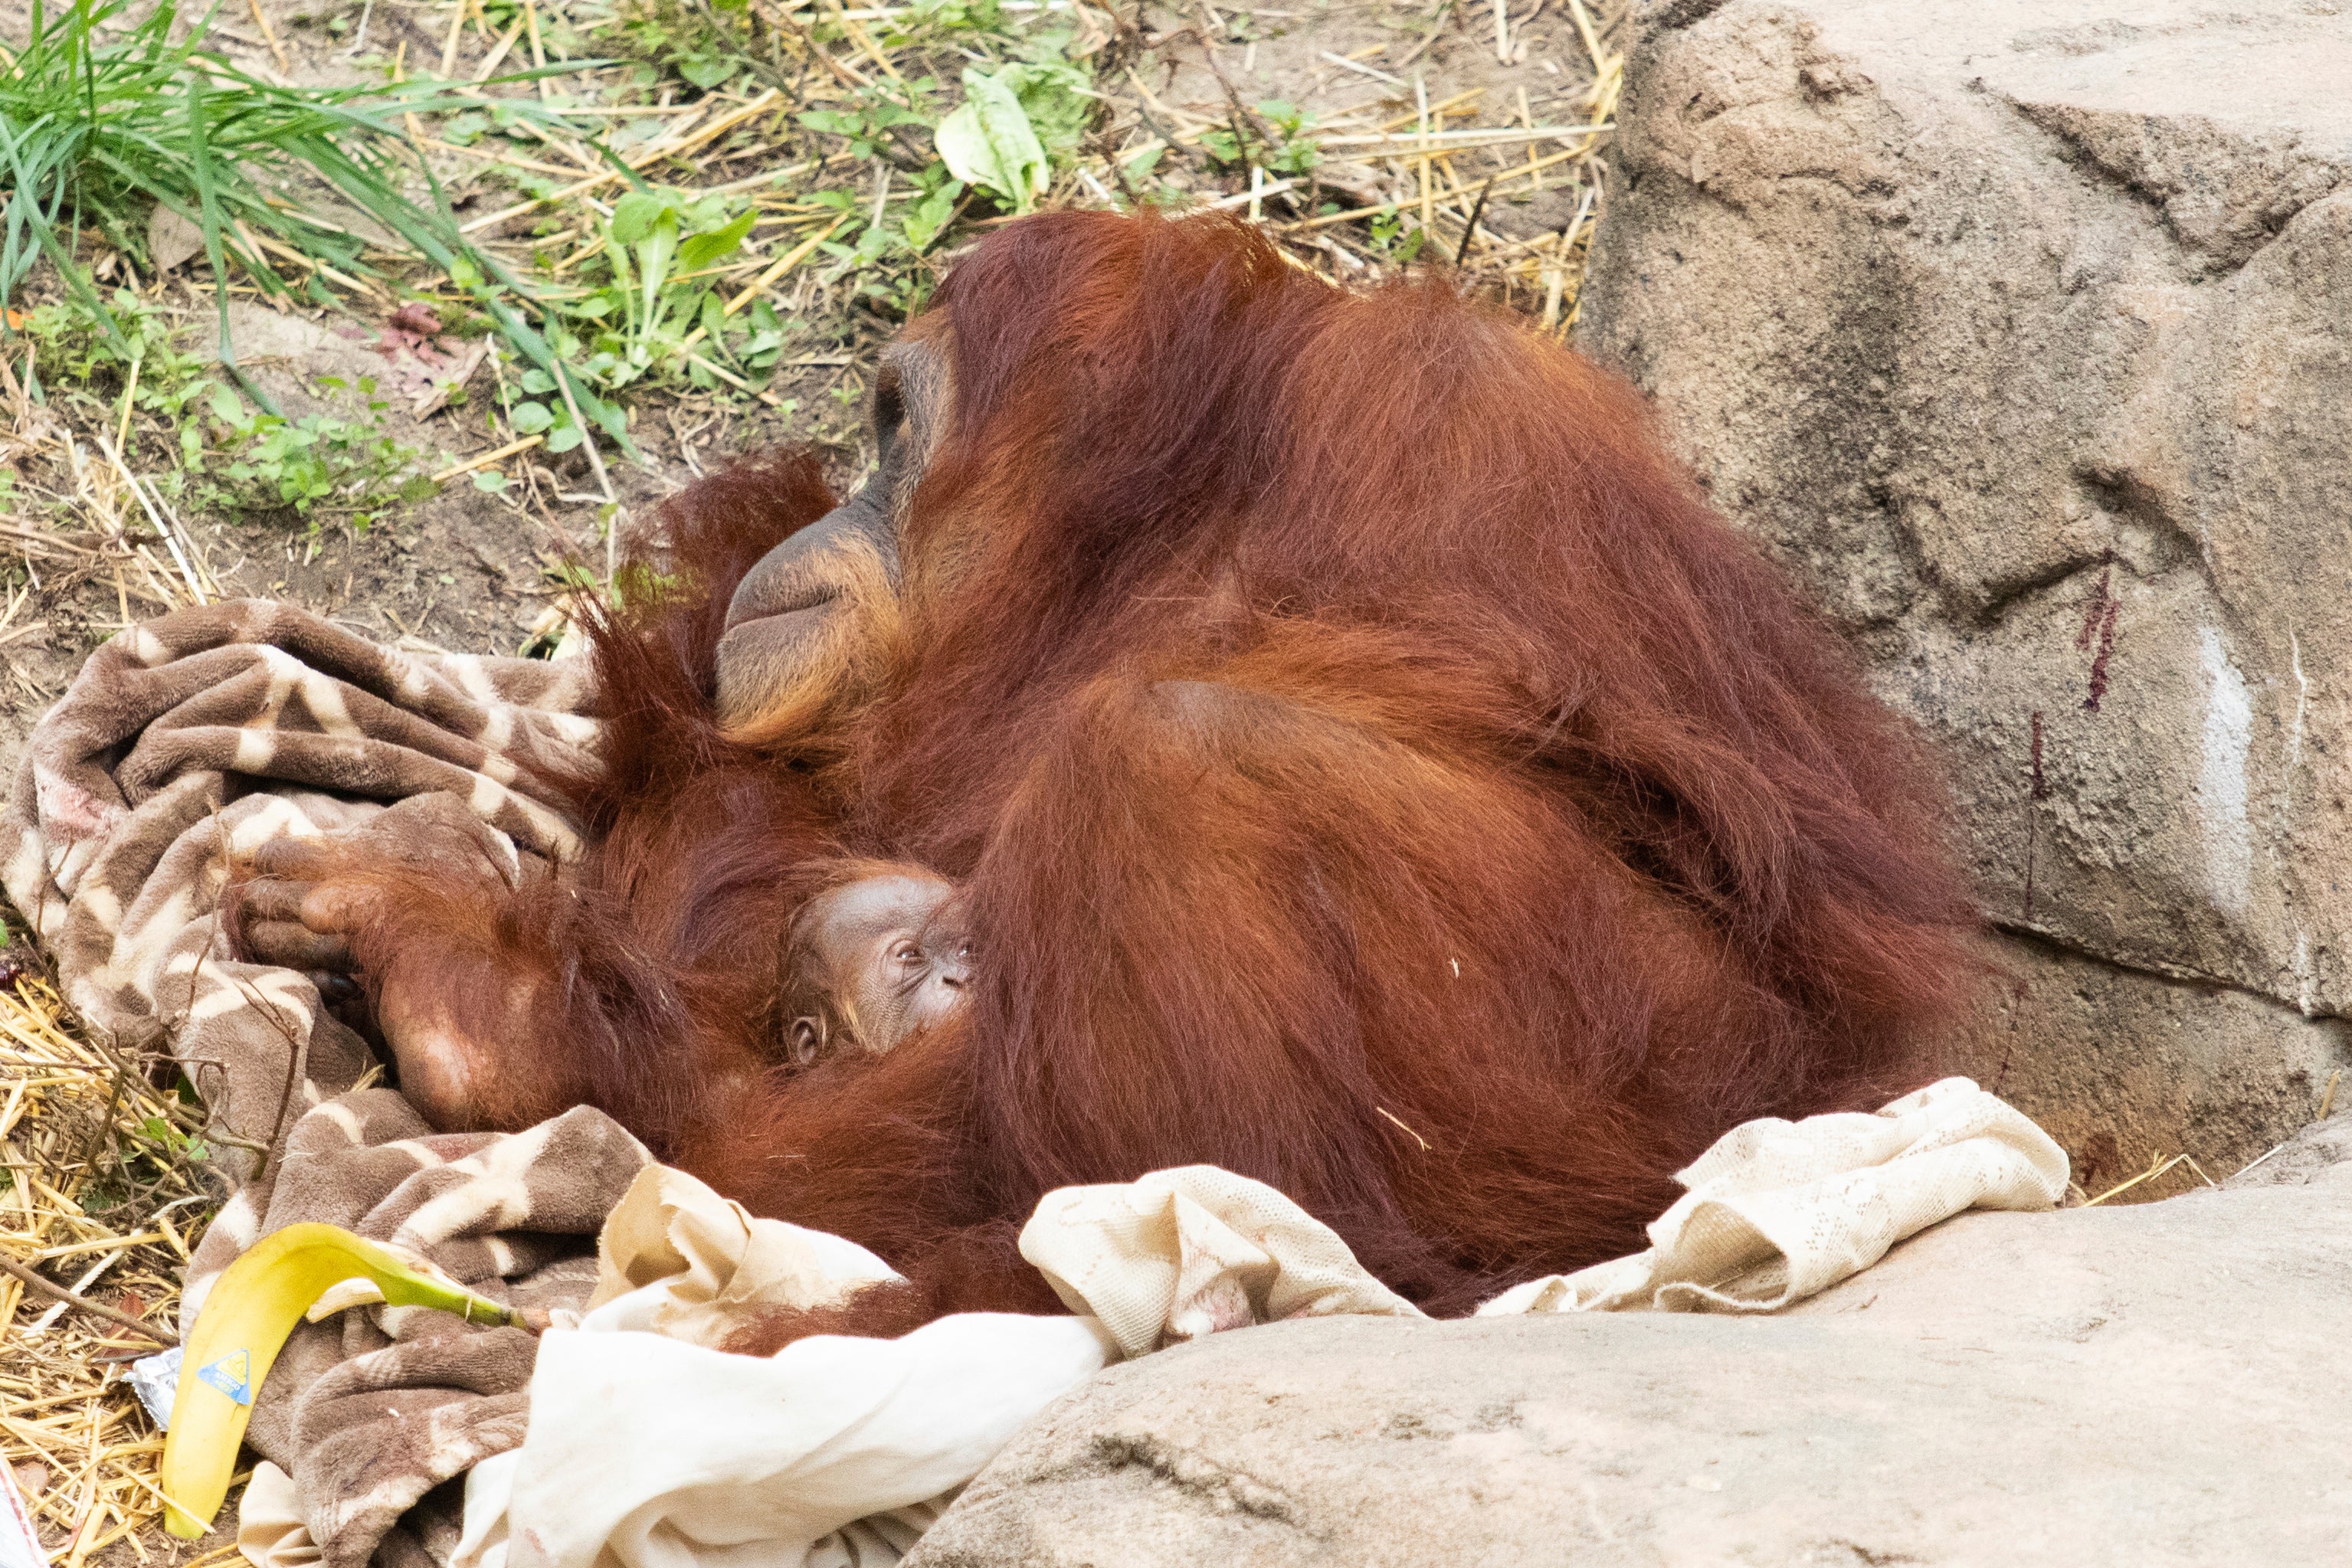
(641, 981)
(1374, 771)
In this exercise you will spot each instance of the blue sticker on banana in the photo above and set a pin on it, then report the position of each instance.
(232, 1374)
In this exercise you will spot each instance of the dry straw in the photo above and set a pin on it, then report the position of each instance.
(103, 1193)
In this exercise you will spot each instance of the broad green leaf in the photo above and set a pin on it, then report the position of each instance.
(928, 216)
(635, 214)
(701, 250)
(1057, 99)
(530, 418)
(988, 141)
(655, 253)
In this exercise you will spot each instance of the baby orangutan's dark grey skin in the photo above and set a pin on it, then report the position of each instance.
(883, 951)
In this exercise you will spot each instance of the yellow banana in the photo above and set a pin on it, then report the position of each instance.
(240, 1331)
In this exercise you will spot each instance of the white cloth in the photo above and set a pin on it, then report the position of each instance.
(874, 1542)
(649, 1452)
(1777, 1211)
(271, 1532)
(676, 1258)
(647, 1449)
(1192, 1251)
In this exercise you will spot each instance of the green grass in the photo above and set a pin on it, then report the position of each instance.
(109, 114)
(104, 120)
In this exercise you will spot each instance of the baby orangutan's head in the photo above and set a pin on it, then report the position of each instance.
(881, 951)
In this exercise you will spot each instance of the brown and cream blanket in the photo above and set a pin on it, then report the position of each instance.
(197, 735)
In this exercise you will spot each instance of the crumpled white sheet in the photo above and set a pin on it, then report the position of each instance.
(270, 1528)
(1192, 1251)
(1777, 1211)
(676, 1258)
(647, 1450)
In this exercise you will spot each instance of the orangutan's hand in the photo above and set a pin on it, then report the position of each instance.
(321, 904)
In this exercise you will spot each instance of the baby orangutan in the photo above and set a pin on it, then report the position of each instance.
(882, 950)
(878, 950)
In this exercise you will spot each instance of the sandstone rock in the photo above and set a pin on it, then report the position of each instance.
(2017, 327)
(2141, 1386)
(2306, 1157)
(2126, 1069)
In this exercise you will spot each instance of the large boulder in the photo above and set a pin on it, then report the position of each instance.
(2021, 330)
(2135, 1385)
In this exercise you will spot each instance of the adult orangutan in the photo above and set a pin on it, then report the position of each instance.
(1367, 767)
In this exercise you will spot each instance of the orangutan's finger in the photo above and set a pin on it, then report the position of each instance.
(292, 859)
(271, 898)
(295, 945)
(340, 906)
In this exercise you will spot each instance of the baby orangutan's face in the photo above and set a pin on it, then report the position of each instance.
(872, 961)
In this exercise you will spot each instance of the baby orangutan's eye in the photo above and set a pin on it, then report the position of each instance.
(906, 953)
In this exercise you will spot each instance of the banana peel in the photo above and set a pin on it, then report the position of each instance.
(244, 1324)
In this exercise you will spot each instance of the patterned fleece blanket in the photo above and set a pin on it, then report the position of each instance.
(190, 739)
